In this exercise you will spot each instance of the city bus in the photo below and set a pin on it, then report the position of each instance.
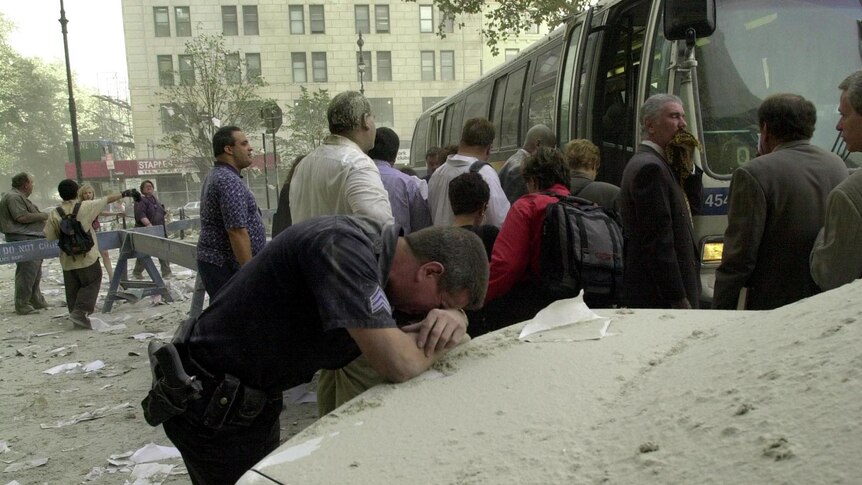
(588, 78)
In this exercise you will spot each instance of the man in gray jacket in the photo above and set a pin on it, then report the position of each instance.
(777, 206)
(21, 220)
(836, 259)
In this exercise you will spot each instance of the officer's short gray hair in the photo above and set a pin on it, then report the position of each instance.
(346, 112)
(462, 254)
(853, 85)
(652, 107)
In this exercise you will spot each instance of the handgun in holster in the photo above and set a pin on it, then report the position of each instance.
(172, 389)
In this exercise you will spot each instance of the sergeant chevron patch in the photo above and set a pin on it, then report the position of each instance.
(378, 301)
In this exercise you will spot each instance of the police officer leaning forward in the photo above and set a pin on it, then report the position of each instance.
(317, 296)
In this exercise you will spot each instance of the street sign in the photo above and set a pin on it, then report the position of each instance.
(271, 115)
(109, 160)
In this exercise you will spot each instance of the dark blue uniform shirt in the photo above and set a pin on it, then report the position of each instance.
(284, 315)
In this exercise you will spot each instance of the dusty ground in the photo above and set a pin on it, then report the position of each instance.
(33, 402)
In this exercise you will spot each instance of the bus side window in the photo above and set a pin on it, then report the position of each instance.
(541, 108)
(477, 103)
(435, 130)
(497, 110)
(567, 88)
(512, 109)
(419, 144)
(455, 123)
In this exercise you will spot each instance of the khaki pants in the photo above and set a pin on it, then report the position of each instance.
(336, 387)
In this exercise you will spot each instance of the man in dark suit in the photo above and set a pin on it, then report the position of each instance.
(777, 206)
(661, 264)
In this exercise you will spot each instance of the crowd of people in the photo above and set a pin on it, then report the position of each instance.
(368, 277)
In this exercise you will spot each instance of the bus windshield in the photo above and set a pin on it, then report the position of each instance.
(763, 47)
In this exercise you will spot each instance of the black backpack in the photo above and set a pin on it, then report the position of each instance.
(582, 248)
(74, 240)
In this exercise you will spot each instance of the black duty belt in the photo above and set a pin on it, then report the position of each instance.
(181, 385)
(225, 400)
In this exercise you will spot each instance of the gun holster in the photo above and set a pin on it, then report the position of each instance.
(172, 389)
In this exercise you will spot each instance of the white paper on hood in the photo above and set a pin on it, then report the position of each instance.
(569, 320)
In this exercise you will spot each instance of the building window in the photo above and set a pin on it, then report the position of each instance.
(187, 70)
(363, 23)
(428, 65)
(229, 25)
(183, 21)
(297, 19)
(366, 59)
(426, 18)
(297, 60)
(448, 24)
(233, 74)
(447, 65)
(511, 54)
(532, 29)
(249, 20)
(384, 66)
(316, 19)
(163, 23)
(382, 110)
(381, 19)
(166, 70)
(252, 67)
(318, 67)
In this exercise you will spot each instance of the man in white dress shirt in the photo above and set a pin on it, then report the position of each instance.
(338, 177)
(476, 140)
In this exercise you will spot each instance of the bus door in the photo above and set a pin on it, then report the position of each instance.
(614, 91)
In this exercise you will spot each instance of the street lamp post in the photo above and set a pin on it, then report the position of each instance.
(361, 65)
(73, 115)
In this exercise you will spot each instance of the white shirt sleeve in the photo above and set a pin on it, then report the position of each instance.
(366, 195)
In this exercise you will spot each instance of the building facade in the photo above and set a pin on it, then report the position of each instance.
(407, 66)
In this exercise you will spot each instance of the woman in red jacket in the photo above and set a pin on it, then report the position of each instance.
(514, 294)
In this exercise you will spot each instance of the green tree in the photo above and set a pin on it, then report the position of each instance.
(209, 92)
(34, 120)
(503, 20)
(306, 125)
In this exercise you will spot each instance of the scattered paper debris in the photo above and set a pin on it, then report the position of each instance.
(101, 326)
(153, 452)
(48, 333)
(28, 350)
(62, 368)
(149, 335)
(88, 416)
(150, 474)
(94, 366)
(121, 459)
(4, 447)
(25, 465)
